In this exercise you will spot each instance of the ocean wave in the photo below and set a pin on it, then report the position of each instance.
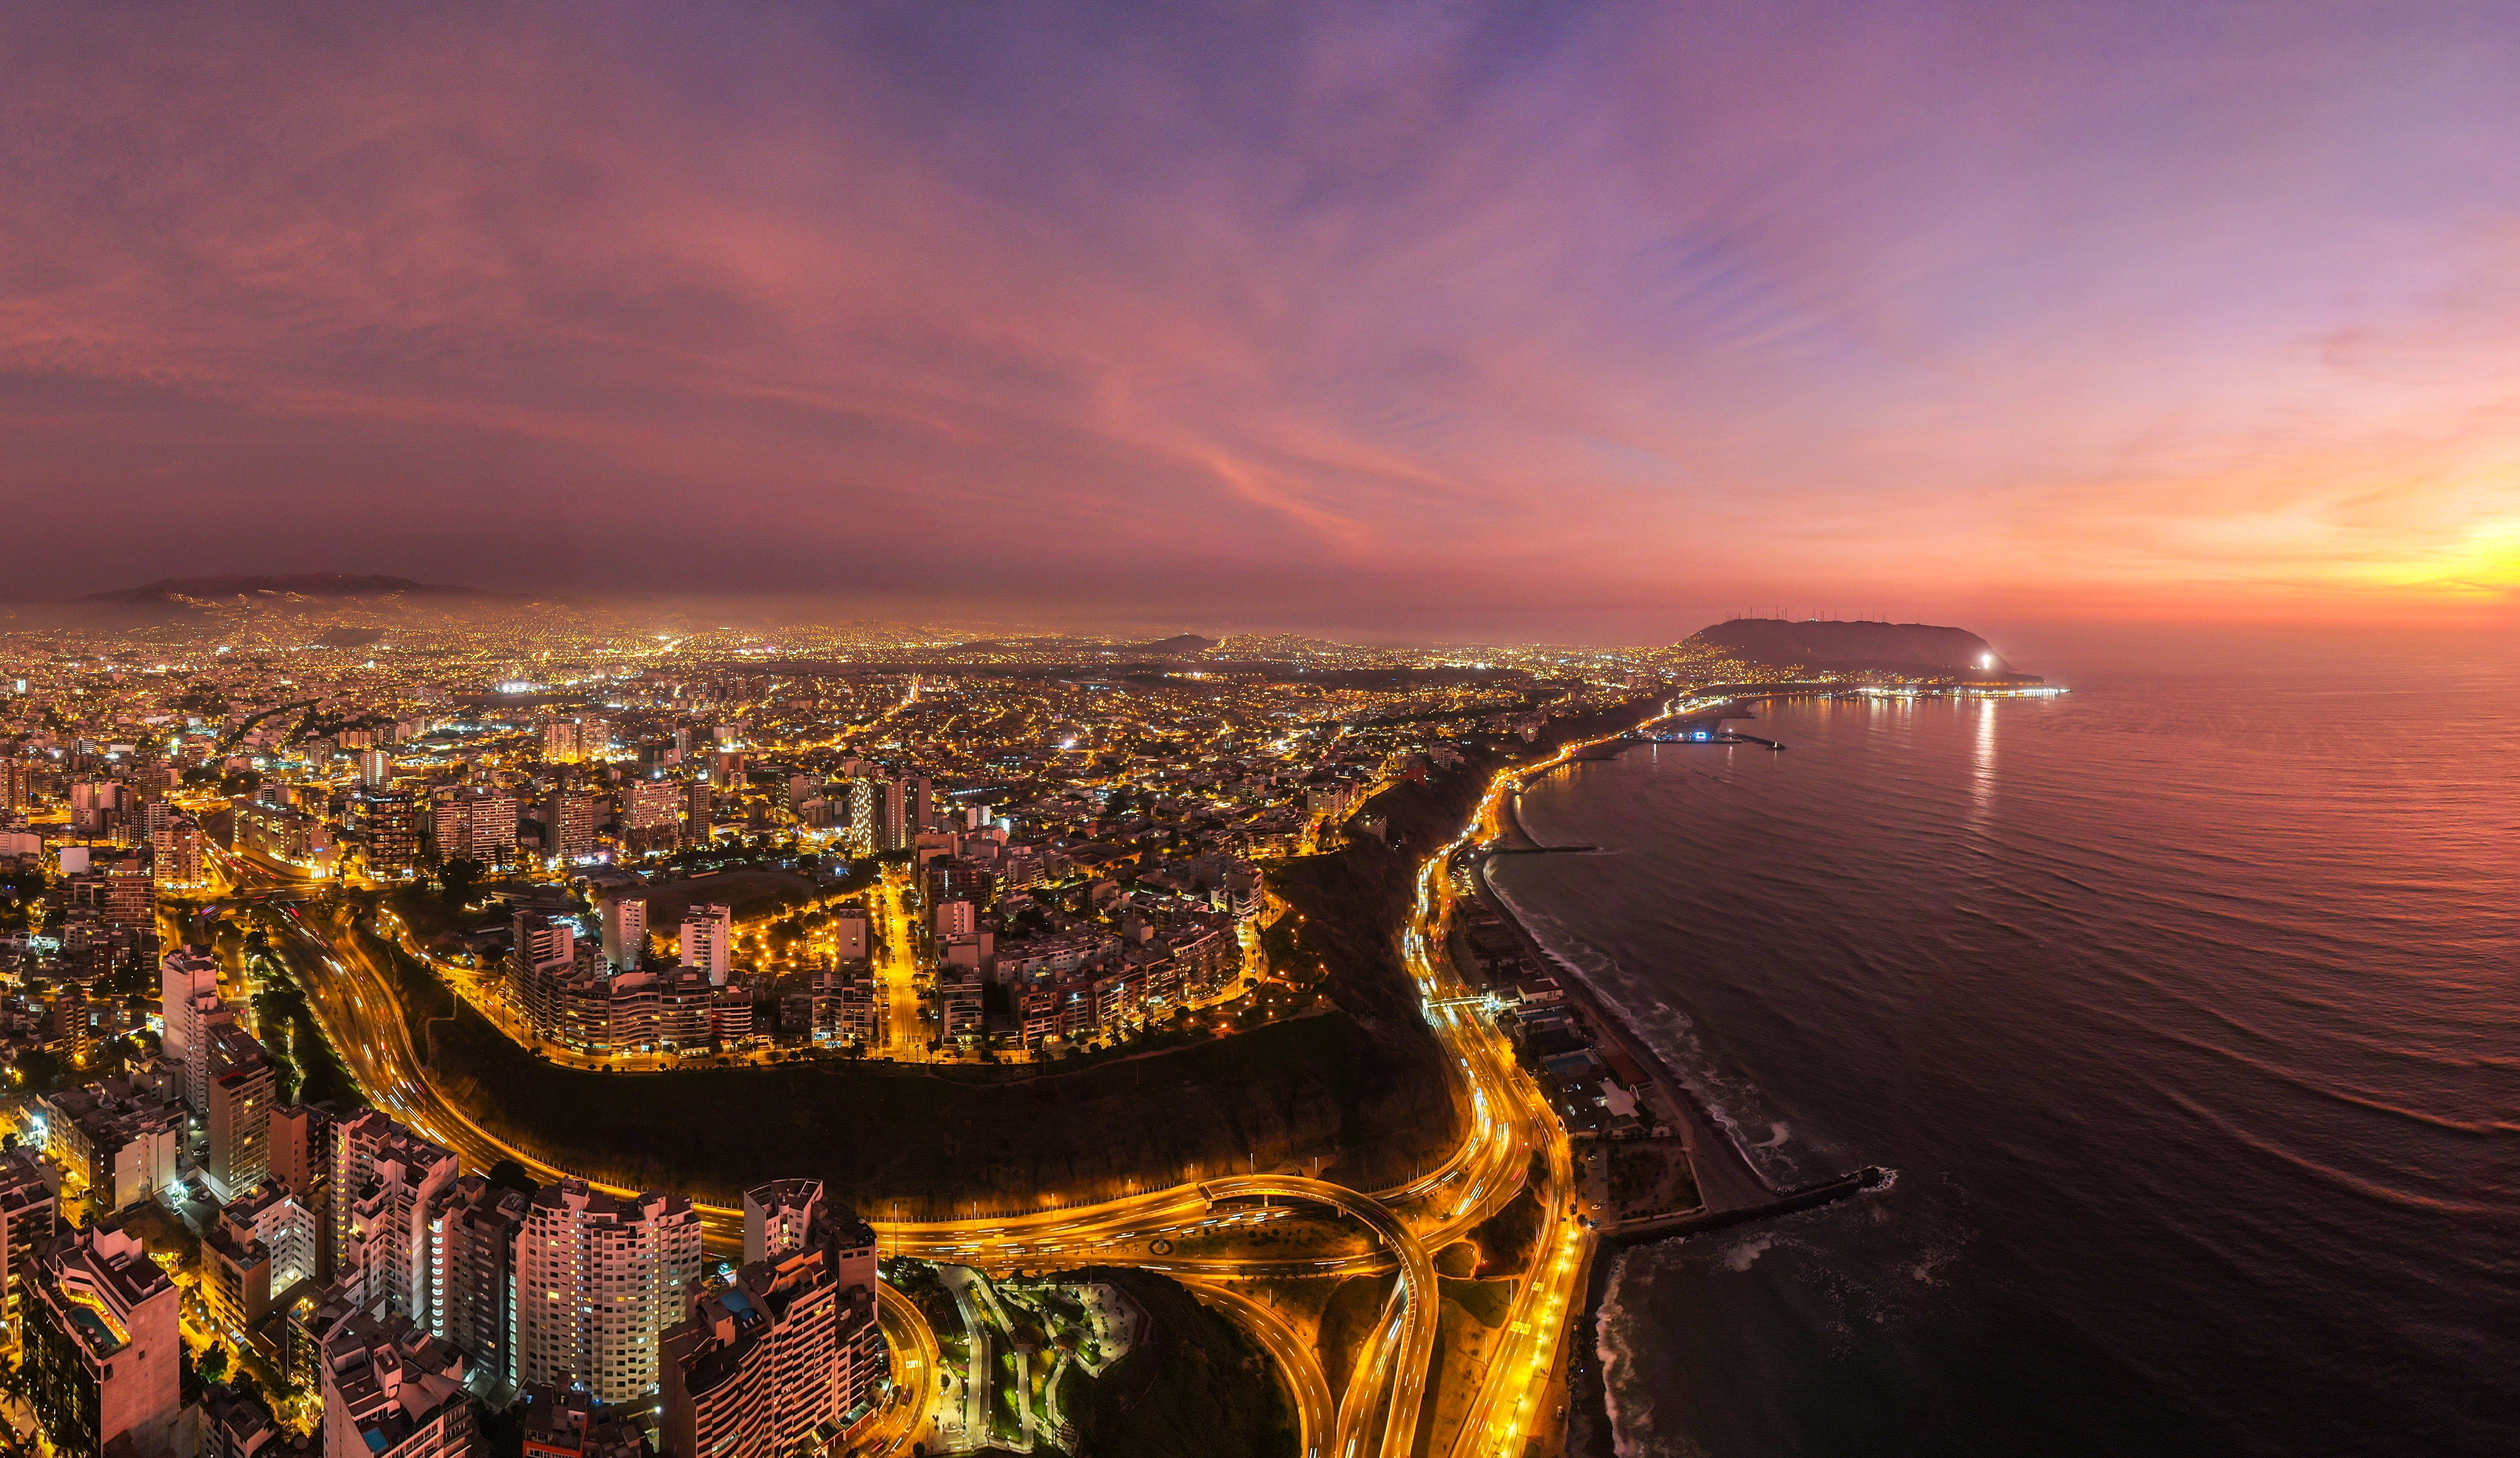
(1610, 1325)
(1745, 1253)
(1673, 1037)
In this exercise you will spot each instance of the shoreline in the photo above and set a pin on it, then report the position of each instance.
(1590, 1430)
(1699, 1126)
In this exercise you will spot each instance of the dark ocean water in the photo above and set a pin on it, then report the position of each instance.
(2186, 1008)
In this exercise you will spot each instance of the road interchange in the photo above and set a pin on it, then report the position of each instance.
(1506, 1120)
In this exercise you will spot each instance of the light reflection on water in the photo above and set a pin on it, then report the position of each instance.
(2184, 1007)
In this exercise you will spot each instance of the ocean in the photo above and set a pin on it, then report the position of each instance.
(2185, 1007)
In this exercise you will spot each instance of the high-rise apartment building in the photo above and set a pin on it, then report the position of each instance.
(652, 814)
(845, 1005)
(849, 933)
(892, 817)
(189, 1006)
(236, 1276)
(709, 941)
(477, 825)
(791, 1348)
(96, 807)
(392, 1390)
(241, 1088)
(564, 743)
(388, 824)
(699, 810)
(544, 939)
(960, 1002)
(103, 1350)
(177, 860)
(386, 1182)
(542, 960)
(286, 1225)
(121, 885)
(117, 1136)
(598, 1279)
(568, 820)
(29, 1216)
(625, 930)
(376, 768)
(473, 1262)
(301, 1160)
(861, 831)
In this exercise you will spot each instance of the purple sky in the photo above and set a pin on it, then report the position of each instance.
(1548, 321)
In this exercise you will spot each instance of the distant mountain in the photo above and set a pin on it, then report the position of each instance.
(289, 584)
(1174, 646)
(1912, 649)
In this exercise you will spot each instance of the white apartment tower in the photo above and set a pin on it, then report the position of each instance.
(597, 1281)
(385, 1184)
(392, 1390)
(709, 941)
(849, 932)
(188, 1007)
(777, 1217)
(625, 930)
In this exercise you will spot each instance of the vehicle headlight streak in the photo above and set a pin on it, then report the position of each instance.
(1508, 1122)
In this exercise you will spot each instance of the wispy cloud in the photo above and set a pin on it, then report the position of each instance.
(1567, 308)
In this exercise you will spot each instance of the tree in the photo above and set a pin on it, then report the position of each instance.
(511, 1175)
(42, 1068)
(457, 878)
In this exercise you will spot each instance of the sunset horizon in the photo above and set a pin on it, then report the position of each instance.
(1383, 729)
(1408, 313)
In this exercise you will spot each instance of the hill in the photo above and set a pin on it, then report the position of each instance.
(288, 584)
(1173, 647)
(1912, 649)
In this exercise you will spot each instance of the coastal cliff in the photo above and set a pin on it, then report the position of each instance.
(1913, 650)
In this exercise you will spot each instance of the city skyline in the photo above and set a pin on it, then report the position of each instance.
(1581, 326)
(1416, 730)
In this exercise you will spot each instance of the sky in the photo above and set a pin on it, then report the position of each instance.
(1567, 322)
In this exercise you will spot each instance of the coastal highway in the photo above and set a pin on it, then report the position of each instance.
(1286, 1346)
(1506, 1119)
(1410, 1355)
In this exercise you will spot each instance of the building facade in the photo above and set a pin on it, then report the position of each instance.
(102, 1347)
(385, 1184)
(598, 1279)
(392, 1390)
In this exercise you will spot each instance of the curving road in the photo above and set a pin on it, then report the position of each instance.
(915, 1362)
(1508, 1119)
(1305, 1383)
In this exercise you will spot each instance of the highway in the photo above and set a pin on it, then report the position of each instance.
(915, 1366)
(1296, 1363)
(1507, 1119)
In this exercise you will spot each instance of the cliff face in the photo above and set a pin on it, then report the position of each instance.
(1914, 648)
